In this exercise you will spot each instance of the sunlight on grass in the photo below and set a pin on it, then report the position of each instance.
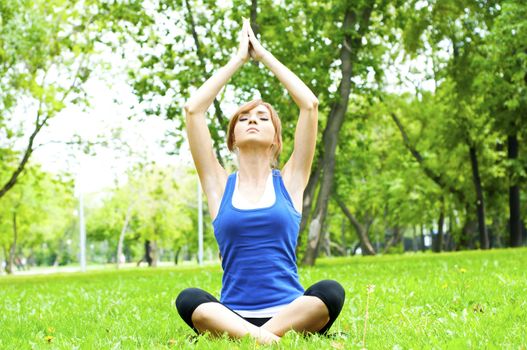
(454, 300)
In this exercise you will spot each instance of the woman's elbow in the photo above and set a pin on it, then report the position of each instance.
(193, 109)
(312, 105)
(188, 108)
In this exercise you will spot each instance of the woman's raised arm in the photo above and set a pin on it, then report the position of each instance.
(297, 169)
(211, 174)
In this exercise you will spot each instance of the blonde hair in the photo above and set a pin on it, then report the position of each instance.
(274, 119)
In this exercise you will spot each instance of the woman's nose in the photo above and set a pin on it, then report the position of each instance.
(253, 119)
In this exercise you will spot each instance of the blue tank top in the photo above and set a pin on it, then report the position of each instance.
(258, 250)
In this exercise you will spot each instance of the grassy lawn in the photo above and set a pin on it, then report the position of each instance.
(463, 300)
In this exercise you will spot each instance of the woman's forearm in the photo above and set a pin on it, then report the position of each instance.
(201, 100)
(301, 94)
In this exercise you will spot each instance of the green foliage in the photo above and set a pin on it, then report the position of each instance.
(458, 300)
(472, 54)
(376, 175)
(42, 206)
(176, 66)
(48, 50)
(163, 207)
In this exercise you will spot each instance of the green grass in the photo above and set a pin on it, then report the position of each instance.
(474, 300)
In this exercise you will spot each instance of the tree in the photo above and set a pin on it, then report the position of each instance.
(38, 210)
(48, 50)
(503, 81)
(155, 206)
(354, 19)
(453, 34)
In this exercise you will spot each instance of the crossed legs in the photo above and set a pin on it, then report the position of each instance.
(306, 314)
(315, 311)
(218, 319)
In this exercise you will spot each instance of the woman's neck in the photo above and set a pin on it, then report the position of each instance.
(254, 167)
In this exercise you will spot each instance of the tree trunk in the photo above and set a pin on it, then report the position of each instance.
(468, 230)
(414, 239)
(309, 194)
(514, 196)
(480, 203)
(176, 257)
(438, 244)
(350, 46)
(327, 243)
(366, 246)
(148, 254)
(123, 233)
(254, 23)
(396, 239)
(12, 249)
(153, 254)
(449, 237)
(343, 234)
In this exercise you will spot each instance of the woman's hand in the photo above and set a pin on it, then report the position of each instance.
(256, 50)
(243, 49)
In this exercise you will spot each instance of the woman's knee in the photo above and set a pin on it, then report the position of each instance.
(331, 293)
(188, 301)
(186, 297)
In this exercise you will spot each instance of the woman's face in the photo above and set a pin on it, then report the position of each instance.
(254, 128)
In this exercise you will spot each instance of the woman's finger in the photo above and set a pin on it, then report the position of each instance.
(246, 27)
(251, 33)
(244, 36)
(252, 38)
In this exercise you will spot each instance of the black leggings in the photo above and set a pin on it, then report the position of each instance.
(329, 291)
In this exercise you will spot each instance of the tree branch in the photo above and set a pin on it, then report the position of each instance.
(362, 231)
(38, 126)
(437, 178)
(358, 226)
(29, 149)
(217, 108)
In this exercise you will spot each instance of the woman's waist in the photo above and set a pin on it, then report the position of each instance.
(255, 266)
(256, 291)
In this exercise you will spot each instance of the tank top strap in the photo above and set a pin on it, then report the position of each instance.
(280, 188)
(227, 194)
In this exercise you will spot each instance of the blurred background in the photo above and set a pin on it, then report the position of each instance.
(423, 123)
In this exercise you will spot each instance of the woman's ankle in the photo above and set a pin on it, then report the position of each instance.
(263, 336)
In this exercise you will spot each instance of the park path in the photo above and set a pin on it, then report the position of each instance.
(72, 269)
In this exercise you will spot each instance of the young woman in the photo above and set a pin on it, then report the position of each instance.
(256, 213)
